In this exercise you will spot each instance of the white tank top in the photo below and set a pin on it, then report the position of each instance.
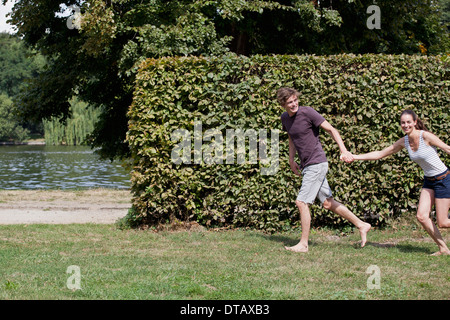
(426, 157)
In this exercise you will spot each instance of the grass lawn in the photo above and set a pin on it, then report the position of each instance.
(210, 265)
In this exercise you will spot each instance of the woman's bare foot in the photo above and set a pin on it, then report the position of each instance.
(300, 247)
(441, 253)
(363, 230)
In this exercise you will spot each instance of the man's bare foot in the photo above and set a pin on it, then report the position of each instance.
(441, 253)
(298, 248)
(363, 230)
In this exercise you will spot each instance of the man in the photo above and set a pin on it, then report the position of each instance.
(302, 125)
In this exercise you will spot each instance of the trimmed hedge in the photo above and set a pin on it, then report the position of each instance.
(361, 95)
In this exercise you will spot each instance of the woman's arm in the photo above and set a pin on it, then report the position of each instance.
(433, 140)
(376, 155)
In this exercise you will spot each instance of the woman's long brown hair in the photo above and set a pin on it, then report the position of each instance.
(419, 125)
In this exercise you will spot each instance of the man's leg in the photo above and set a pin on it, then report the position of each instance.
(312, 177)
(341, 210)
(305, 218)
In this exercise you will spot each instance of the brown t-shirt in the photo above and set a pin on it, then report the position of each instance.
(303, 128)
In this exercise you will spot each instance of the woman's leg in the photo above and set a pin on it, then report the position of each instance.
(426, 202)
(442, 206)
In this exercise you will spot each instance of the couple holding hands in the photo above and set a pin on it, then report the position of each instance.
(302, 125)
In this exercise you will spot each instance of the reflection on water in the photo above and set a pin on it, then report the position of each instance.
(58, 167)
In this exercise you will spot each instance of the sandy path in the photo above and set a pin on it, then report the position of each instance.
(63, 207)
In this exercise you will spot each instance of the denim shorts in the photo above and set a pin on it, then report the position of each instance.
(441, 187)
(314, 184)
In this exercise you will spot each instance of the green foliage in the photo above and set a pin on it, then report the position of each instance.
(98, 62)
(10, 129)
(361, 95)
(73, 131)
(17, 63)
(445, 15)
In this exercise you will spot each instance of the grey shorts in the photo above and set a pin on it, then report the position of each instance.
(315, 184)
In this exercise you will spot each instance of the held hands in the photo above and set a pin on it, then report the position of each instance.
(347, 157)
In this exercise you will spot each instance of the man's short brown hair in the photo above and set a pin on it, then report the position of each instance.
(283, 94)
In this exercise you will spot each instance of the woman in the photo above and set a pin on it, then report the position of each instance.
(421, 145)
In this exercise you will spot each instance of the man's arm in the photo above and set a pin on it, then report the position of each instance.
(292, 152)
(345, 154)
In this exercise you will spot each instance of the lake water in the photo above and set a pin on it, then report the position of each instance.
(58, 167)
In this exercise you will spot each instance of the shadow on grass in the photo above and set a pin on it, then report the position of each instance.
(381, 245)
(287, 241)
(408, 248)
(405, 248)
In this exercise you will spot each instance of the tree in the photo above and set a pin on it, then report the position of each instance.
(445, 8)
(98, 62)
(17, 63)
(340, 26)
(74, 131)
(10, 129)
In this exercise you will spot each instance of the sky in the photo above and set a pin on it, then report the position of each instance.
(4, 27)
(5, 9)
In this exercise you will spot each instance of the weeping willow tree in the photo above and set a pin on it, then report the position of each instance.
(76, 129)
